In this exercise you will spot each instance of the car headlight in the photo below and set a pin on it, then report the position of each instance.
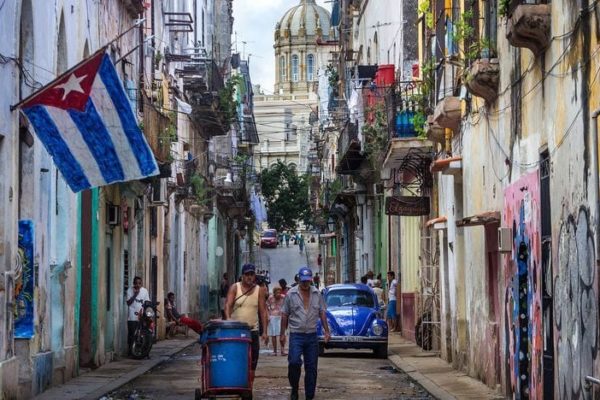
(377, 329)
(149, 313)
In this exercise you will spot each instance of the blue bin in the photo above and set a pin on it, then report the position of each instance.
(226, 357)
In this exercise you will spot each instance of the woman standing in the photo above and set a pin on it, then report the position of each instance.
(274, 304)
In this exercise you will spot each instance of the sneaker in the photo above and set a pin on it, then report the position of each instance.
(294, 395)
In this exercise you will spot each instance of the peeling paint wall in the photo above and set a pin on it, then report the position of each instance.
(522, 277)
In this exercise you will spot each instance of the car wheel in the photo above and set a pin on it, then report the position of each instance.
(321, 349)
(381, 351)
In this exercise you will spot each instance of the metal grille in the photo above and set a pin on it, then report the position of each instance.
(427, 330)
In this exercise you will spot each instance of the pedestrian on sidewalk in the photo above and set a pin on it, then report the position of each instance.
(274, 304)
(302, 309)
(246, 303)
(301, 243)
(136, 296)
(391, 317)
(319, 261)
(287, 239)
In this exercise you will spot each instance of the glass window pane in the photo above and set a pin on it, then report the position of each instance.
(295, 76)
(310, 61)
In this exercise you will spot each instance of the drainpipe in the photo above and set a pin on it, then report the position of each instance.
(595, 184)
(448, 137)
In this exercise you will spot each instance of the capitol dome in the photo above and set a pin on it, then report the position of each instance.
(305, 19)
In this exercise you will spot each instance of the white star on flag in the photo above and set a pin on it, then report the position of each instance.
(72, 85)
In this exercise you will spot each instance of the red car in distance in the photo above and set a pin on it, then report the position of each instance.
(269, 238)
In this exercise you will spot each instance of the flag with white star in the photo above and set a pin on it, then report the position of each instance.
(85, 121)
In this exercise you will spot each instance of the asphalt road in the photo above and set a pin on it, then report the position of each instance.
(284, 262)
(343, 375)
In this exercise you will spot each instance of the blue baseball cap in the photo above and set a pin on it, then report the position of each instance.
(248, 268)
(305, 274)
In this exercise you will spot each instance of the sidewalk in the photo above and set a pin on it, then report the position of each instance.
(94, 384)
(434, 374)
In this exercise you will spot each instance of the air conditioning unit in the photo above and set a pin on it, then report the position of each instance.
(504, 240)
(159, 193)
(113, 215)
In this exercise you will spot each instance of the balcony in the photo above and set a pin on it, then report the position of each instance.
(349, 148)
(156, 127)
(447, 113)
(203, 85)
(134, 7)
(528, 26)
(482, 79)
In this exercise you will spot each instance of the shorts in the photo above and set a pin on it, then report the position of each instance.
(255, 348)
(274, 325)
(391, 310)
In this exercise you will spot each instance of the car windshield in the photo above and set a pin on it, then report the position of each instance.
(269, 234)
(349, 297)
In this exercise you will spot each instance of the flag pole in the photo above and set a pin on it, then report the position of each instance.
(70, 70)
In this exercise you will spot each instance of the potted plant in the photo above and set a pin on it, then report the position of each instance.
(481, 70)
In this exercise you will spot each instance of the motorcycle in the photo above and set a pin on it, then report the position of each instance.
(144, 333)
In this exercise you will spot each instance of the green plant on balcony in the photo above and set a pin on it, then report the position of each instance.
(332, 76)
(228, 104)
(199, 189)
(471, 47)
(335, 188)
(425, 9)
(375, 134)
(503, 6)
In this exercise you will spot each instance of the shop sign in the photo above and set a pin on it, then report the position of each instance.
(407, 205)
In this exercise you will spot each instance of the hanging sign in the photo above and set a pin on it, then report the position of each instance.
(407, 205)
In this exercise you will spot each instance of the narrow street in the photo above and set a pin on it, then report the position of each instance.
(342, 376)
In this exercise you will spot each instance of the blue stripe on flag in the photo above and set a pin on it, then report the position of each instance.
(134, 135)
(58, 149)
(94, 133)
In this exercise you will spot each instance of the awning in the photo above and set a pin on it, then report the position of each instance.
(437, 223)
(441, 164)
(485, 218)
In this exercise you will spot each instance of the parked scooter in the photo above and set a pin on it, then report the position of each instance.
(143, 337)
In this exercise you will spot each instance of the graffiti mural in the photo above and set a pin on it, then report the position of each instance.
(576, 314)
(523, 317)
(24, 282)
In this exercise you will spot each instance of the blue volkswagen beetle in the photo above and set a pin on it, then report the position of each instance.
(355, 320)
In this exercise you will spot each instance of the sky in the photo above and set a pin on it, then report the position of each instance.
(254, 23)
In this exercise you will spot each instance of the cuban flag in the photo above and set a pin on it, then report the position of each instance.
(85, 121)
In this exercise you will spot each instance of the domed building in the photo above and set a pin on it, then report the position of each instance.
(287, 119)
(301, 38)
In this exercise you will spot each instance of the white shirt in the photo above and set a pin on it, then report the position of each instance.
(136, 305)
(392, 291)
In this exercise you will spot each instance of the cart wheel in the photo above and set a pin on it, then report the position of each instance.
(197, 394)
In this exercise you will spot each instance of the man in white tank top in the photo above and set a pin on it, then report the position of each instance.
(246, 302)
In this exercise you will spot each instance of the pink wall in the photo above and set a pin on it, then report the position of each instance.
(522, 284)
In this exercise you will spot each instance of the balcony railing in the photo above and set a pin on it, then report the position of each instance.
(202, 83)
(407, 110)
(349, 136)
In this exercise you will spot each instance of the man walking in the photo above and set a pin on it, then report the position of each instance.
(136, 296)
(246, 302)
(302, 308)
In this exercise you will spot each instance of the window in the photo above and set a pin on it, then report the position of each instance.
(282, 75)
(349, 297)
(295, 68)
(310, 67)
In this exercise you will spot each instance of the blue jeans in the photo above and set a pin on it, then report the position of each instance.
(303, 345)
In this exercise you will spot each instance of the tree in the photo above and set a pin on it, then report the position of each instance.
(286, 196)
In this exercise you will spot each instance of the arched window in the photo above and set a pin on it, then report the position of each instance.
(282, 74)
(295, 68)
(310, 67)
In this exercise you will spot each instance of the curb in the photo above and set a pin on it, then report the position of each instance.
(421, 379)
(89, 386)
